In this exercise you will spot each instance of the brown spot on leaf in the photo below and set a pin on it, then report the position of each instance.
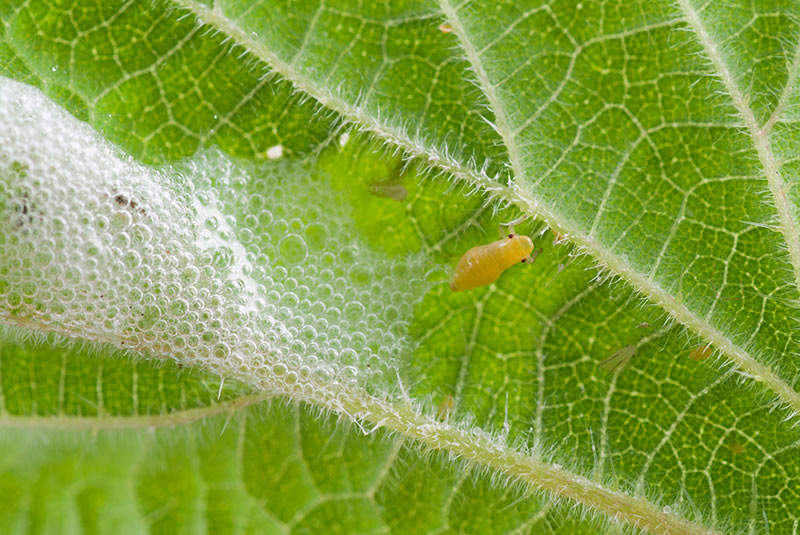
(701, 353)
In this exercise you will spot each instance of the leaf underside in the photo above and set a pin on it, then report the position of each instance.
(240, 202)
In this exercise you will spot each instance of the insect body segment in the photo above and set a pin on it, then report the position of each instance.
(483, 264)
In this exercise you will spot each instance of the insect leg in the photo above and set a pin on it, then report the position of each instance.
(531, 257)
(514, 222)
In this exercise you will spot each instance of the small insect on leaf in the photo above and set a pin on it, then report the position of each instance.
(701, 353)
(483, 264)
(445, 28)
(390, 188)
(445, 408)
(619, 360)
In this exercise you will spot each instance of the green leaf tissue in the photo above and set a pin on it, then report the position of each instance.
(266, 267)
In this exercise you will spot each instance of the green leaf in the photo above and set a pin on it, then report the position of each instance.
(275, 193)
(195, 461)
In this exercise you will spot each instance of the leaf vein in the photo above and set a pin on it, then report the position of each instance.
(171, 419)
(759, 136)
(783, 100)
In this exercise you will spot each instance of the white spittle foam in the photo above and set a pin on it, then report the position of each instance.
(254, 271)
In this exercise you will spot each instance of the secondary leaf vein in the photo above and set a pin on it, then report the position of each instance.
(760, 137)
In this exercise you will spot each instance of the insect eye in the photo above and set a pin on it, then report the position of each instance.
(510, 236)
(523, 260)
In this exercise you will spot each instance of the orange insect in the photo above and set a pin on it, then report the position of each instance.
(483, 264)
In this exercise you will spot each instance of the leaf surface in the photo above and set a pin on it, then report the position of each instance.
(657, 137)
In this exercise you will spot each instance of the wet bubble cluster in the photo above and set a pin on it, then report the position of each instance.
(253, 271)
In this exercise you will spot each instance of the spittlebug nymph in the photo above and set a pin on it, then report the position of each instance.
(482, 265)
